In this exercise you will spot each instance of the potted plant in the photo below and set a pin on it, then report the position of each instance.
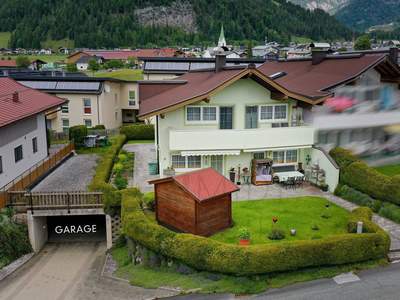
(244, 236)
(232, 174)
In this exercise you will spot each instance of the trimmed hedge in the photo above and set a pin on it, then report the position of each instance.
(206, 254)
(365, 179)
(77, 134)
(112, 198)
(357, 197)
(138, 131)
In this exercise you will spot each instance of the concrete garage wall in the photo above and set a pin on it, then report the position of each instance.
(37, 228)
(38, 224)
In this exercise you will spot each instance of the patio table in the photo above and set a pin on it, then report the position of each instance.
(283, 176)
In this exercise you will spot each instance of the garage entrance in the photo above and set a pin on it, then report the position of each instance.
(77, 228)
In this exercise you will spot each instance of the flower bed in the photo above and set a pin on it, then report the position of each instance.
(213, 256)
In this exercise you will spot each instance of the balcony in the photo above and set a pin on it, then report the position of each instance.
(241, 139)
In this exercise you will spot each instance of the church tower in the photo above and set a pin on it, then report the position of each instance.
(221, 40)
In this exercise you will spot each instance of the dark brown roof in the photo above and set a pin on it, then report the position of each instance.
(315, 80)
(199, 85)
(202, 184)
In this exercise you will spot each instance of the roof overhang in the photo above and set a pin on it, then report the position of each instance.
(246, 72)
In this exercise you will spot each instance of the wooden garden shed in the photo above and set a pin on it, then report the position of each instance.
(197, 202)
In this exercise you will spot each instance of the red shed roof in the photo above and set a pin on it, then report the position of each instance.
(8, 63)
(29, 101)
(202, 184)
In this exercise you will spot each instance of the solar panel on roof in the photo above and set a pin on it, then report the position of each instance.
(180, 66)
(77, 86)
(40, 85)
(201, 65)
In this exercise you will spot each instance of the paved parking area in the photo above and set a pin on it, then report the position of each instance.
(74, 174)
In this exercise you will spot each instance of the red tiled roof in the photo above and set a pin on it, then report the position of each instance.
(197, 84)
(304, 78)
(8, 63)
(30, 102)
(125, 54)
(203, 184)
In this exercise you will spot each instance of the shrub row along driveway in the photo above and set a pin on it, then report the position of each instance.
(74, 174)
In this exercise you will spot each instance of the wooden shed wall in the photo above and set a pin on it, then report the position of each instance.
(175, 207)
(214, 215)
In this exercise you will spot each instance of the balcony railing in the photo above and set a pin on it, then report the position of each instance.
(241, 139)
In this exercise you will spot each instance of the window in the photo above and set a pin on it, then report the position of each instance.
(273, 112)
(259, 155)
(278, 157)
(194, 161)
(87, 106)
(116, 99)
(116, 116)
(18, 153)
(178, 162)
(131, 102)
(183, 162)
(266, 112)
(193, 113)
(65, 125)
(132, 95)
(34, 145)
(65, 108)
(201, 113)
(291, 156)
(209, 113)
(288, 156)
(87, 122)
(1, 165)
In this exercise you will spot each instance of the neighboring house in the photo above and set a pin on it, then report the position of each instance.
(368, 81)
(161, 68)
(8, 64)
(23, 141)
(123, 55)
(91, 101)
(82, 64)
(227, 117)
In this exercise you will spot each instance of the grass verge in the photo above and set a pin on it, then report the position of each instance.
(217, 283)
(389, 170)
(140, 142)
(123, 74)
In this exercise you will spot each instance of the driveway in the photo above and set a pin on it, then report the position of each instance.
(144, 153)
(70, 271)
(74, 174)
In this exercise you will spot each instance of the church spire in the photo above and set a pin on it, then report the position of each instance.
(222, 41)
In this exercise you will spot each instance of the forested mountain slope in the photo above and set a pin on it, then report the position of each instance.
(141, 23)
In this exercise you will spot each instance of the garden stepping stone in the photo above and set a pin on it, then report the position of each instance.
(346, 278)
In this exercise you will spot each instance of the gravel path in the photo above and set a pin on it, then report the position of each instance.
(144, 153)
(74, 174)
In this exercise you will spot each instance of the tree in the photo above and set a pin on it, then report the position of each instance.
(362, 43)
(249, 49)
(23, 62)
(72, 68)
(93, 65)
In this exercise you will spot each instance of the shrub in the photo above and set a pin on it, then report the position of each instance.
(77, 134)
(99, 127)
(117, 168)
(138, 131)
(276, 234)
(357, 197)
(390, 211)
(365, 179)
(120, 182)
(213, 256)
(14, 242)
(244, 233)
(149, 200)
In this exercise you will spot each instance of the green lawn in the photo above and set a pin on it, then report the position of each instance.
(4, 39)
(96, 150)
(140, 142)
(298, 213)
(389, 170)
(201, 281)
(123, 74)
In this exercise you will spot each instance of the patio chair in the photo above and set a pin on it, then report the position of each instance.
(275, 179)
(299, 181)
(290, 183)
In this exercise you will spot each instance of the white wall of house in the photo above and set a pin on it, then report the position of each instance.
(82, 66)
(21, 133)
(177, 135)
(165, 76)
(332, 171)
(106, 108)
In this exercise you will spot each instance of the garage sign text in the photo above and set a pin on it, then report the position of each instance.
(76, 229)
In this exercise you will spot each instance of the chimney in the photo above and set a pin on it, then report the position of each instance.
(15, 97)
(318, 56)
(220, 61)
(394, 55)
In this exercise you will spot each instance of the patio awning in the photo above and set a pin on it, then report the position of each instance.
(393, 129)
(210, 152)
(277, 149)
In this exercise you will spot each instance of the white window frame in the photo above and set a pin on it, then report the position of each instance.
(89, 120)
(186, 168)
(285, 162)
(273, 120)
(132, 100)
(85, 106)
(202, 121)
(65, 108)
(35, 146)
(62, 124)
